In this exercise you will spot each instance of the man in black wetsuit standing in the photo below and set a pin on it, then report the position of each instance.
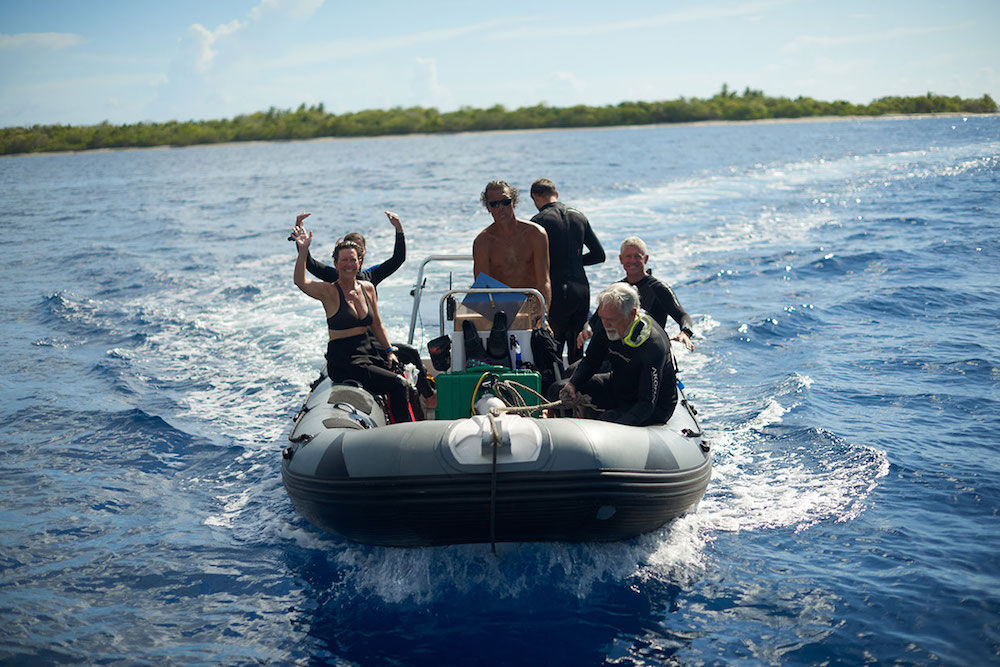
(641, 388)
(569, 231)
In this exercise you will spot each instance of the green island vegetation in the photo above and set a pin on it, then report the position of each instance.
(312, 122)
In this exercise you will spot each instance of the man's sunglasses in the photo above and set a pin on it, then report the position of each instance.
(500, 202)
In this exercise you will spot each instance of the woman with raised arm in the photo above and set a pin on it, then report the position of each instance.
(373, 274)
(351, 308)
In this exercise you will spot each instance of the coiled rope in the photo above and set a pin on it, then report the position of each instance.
(580, 405)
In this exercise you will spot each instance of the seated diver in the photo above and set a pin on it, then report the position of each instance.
(375, 274)
(352, 310)
(641, 388)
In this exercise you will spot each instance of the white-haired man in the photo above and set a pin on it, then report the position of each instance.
(657, 298)
(641, 388)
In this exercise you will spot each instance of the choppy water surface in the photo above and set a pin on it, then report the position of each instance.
(844, 278)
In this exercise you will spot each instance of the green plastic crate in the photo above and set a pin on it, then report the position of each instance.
(454, 389)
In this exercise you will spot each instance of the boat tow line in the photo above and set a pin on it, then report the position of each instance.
(495, 443)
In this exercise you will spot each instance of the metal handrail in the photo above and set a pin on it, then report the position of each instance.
(418, 290)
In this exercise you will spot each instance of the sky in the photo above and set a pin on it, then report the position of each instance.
(81, 63)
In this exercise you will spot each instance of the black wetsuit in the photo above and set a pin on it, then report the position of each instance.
(641, 388)
(657, 299)
(374, 275)
(569, 231)
(355, 358)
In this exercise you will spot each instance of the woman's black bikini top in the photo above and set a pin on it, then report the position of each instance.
(345, 318)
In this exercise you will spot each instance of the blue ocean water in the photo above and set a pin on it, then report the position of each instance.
(844, 278)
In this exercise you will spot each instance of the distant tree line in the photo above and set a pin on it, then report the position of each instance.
(311, 122)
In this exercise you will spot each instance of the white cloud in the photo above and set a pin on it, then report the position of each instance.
(95, 98)
(296, 9)
(558, 88)
(204, 42)
(694, 14)
(201, 44)
(804, 42)
(208, 62)
(566, 80)
(204, 77)
(427, 67)
(40, 40)
(428, 90)
(343, 49)
(192, 85)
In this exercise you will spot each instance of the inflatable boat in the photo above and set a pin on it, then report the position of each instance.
(489, 465)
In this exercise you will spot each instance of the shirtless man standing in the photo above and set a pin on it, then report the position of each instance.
(515, 252)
